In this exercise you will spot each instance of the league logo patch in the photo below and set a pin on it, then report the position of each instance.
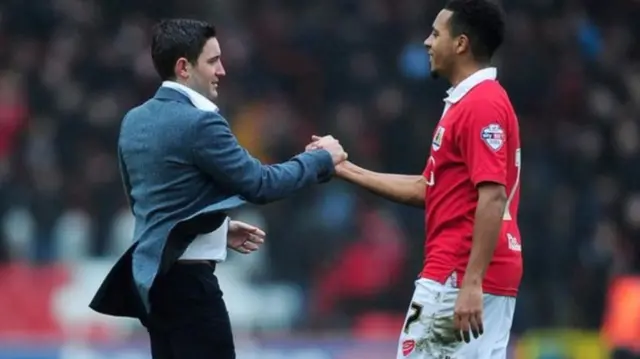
(493, 136)
(437, 138)
(408, 346)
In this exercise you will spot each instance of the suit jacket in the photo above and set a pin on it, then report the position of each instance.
(182, 169)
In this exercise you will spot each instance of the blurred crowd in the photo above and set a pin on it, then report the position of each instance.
(357, 69)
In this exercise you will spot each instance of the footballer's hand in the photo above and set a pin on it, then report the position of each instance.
(467, 315)
(341, 169)
(318, 142)
(243, 237)
(331, 145)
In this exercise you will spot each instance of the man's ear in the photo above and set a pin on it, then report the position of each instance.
(182, 68)
(462, 44)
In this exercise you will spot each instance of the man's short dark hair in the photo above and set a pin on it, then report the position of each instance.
(483, 23)
(176, 38)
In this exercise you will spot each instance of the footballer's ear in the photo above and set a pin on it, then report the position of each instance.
(462, 44)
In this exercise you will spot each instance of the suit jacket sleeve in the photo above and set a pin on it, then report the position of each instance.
(217, 152)
(125, 179)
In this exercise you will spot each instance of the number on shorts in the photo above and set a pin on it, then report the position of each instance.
(416, 310)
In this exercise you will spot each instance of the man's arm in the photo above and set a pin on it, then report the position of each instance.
(124, 176)
(483, 145)
(217, 152)
(486, 230)
(405, 189)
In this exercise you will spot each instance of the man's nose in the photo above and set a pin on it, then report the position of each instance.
(221, 71)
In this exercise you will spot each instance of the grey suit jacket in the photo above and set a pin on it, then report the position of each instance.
(182, 169)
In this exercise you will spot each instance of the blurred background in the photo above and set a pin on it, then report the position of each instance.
(337, 273)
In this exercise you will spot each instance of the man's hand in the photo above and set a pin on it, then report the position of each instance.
(243, 237)
(486, 230)
(467, 315)
(329, 144)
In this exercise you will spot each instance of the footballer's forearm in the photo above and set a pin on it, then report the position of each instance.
(405, 189)
(492, 200)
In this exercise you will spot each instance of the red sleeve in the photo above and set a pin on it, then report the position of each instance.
(483, 142)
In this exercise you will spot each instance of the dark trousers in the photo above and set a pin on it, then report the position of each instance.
(189, 319)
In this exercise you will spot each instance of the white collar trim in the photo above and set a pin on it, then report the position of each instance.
(197, 99)
(456, 94)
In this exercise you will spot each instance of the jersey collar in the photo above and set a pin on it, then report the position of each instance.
(456, 94)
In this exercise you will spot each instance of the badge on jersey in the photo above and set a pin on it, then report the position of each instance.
(437, 138)
(493, 135)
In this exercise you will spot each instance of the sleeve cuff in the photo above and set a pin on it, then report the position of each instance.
(491, 178)
(327, 168)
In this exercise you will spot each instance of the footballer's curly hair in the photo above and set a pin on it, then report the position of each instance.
(482, 21)
(176, 38)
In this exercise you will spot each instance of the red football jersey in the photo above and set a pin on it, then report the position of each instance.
(477, 140)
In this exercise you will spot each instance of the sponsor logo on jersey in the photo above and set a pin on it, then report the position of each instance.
(493, 135)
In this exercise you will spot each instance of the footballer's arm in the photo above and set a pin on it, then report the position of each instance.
(486, 160)
(405, 189)
(492, 199)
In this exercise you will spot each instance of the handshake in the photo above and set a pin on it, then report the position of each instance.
(331, 145)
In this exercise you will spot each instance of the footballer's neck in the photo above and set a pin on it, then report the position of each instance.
(465, 70)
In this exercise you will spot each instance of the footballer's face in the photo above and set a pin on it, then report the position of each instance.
(204, 75)
(441, 46)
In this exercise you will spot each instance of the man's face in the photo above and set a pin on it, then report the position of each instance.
(204, 76)
(441, 46)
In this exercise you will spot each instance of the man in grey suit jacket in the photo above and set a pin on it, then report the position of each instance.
(182, 170)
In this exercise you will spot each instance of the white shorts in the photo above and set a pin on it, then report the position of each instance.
(428, 329)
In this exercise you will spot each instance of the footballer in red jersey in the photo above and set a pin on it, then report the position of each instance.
(464, 300)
